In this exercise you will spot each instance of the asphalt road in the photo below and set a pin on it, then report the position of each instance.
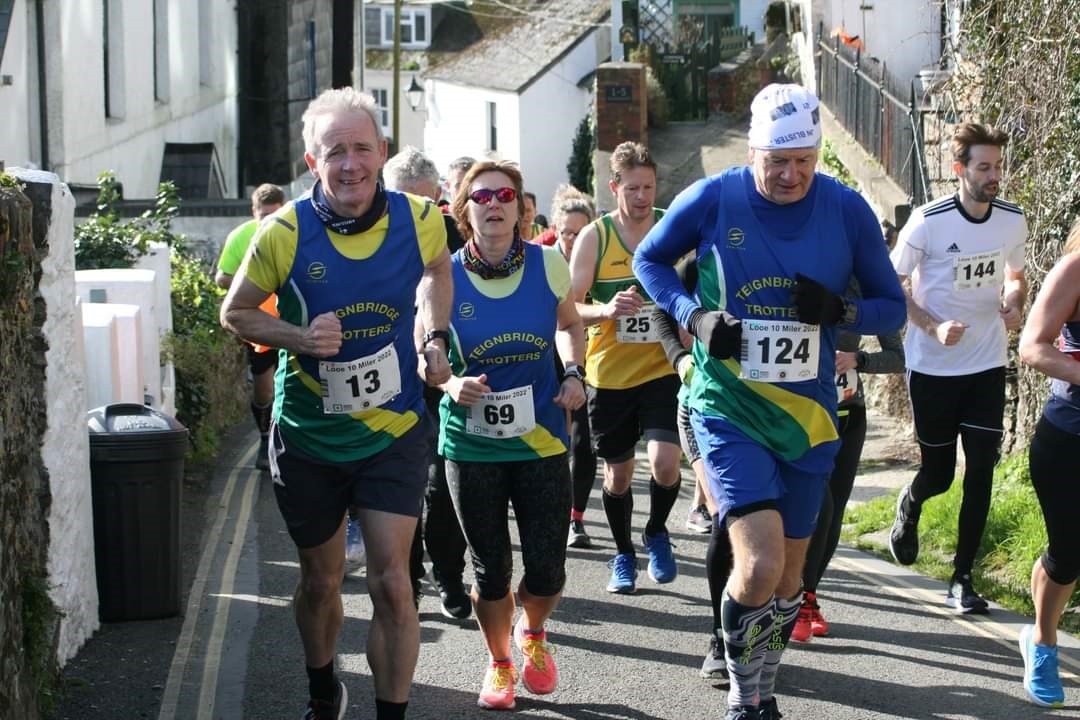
(895, 650)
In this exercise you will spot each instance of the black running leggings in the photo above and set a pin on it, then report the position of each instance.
(971, 406)
(582, 458)
(1052, 461)
(826, 537)
(540, 493)
(718, 555)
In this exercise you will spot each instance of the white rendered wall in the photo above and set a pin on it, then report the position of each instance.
(157, 259)
(551, 109)
(102, 344)
(85, 142)
(19, 145)
(457, 123)
(133, 287)
(906, 36)
(410, 122)
(114, 369)
(65, 448)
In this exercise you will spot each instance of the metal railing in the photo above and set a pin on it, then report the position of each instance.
(873, 110)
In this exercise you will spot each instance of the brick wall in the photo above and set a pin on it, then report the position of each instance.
(620, 105)
(733, 84)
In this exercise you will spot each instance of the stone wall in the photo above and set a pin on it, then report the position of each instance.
(28, 626)
(733, 84)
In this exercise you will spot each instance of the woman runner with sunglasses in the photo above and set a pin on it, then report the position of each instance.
(503, 422)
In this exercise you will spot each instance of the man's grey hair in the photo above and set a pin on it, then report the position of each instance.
(408, 168)
(338, 101)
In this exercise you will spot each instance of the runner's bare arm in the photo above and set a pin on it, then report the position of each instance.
(240, 313)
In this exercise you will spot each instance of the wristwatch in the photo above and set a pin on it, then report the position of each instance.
(438, 335)
(575, 371)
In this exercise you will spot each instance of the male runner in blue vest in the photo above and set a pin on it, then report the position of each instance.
(350, 428)
(776, 247)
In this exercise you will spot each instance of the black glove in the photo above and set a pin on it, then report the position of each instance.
(721, 332)
(815, 304)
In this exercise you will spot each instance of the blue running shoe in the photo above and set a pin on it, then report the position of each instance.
(1041, 679)
(623, 574)
(661, 560)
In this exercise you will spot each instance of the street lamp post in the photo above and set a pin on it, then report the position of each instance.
(415, 94)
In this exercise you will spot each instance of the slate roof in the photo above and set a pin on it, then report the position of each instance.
(534, 37)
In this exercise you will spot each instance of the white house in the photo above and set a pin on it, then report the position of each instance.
(907, 36)
(521, 93)
(92, 86)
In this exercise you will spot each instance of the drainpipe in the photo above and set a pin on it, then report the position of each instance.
(43, 104)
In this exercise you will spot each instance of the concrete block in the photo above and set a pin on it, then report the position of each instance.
(131, 287)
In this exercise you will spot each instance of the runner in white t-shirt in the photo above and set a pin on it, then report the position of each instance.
(961, 260)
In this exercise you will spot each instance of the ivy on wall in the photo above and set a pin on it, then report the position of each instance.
(1018, 67)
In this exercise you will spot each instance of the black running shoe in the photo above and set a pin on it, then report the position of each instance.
(963, 598)
(904, 538)
(715, 665)
(456, 603)
(767, 710)
(322, 710)
(577, 537)
(743, 712)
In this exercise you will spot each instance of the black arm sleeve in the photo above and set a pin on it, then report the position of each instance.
(666, 327)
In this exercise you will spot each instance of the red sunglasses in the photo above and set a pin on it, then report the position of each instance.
(483, 195)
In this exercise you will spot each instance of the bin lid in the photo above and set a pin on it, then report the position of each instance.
(123, 418)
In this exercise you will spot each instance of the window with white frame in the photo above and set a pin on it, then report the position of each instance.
(415, 26)
(380, 95)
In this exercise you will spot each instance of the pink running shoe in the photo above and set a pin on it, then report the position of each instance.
(498, 690)
(538, 672)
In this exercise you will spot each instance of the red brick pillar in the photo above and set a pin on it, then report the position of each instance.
(621, 115)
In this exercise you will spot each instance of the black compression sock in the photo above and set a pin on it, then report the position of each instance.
(321, 682)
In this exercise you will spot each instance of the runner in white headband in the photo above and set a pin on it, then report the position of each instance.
(784, 117)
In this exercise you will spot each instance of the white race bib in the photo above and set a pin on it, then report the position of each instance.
(981, 270)
(847, 384)
(506, 414)
(637, 328)
(361, 384)
(779, 350)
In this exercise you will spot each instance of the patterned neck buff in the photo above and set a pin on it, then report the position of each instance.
(347, 225)
(475, 262)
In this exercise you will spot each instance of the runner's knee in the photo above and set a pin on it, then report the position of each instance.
(1063, 570)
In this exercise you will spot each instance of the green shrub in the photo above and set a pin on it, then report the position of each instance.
(103, 241)
(1014, 538)
(40, 621)
(580, 167)
(210, 363)
(833, 165)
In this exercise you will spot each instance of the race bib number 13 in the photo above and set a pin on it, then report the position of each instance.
(362, 384)
(779, 351)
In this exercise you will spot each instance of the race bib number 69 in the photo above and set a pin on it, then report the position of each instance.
(506, 414)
